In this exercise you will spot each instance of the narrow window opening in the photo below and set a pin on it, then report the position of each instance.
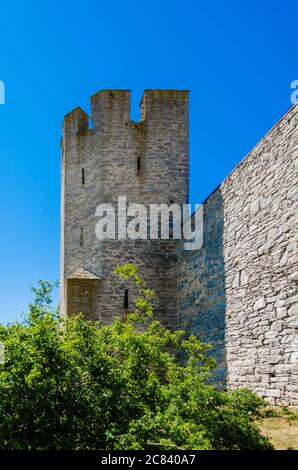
(139, 163)
(171, 225)
(81, 237)
(126, 298)
(83, 176)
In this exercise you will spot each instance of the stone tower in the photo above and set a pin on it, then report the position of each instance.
(146, 161)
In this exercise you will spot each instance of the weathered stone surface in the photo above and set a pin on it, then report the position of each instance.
(250, 223)
(260, 303)
(293, 310)
(145, 161)
(239, 291)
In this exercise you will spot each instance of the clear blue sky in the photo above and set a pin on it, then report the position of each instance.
(237, 58)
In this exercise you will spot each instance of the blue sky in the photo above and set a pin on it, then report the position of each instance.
(237, 59)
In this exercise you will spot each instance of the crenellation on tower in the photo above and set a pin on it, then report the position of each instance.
(110, 109)
(75, 122)
(163, 106)
(239, 290)
(146, 162)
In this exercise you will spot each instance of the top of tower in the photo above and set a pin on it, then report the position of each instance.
(114, 105)
(162, 93)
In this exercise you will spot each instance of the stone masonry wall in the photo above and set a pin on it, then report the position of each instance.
(239, 291)
(145, 161)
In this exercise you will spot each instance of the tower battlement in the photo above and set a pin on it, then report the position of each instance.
(112, 107)
(76, 122)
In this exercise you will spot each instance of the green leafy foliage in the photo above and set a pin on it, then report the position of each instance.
(74, 384)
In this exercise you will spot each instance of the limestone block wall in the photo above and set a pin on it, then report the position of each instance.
(145, 161)
(239, 291)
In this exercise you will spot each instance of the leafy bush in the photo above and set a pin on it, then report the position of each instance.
(73, 384)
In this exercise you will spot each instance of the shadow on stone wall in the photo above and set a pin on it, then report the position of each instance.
(201, 286)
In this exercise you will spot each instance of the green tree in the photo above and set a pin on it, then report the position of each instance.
(74, 384)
